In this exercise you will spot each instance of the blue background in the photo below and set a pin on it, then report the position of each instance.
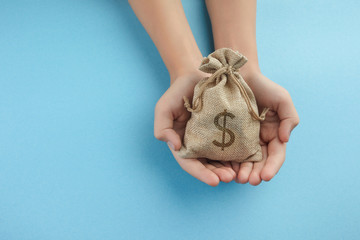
(78, 84)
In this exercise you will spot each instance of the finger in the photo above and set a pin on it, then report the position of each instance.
(255, 178)
(224, 170)
(227, 164)
(236, 166)
(289, 119)
(276, 157)
(244, 172)
(225, 173)
(163, 128)
(197, 169)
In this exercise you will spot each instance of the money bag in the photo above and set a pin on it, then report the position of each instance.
(224, 123)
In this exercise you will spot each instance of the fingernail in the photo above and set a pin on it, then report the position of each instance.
(171, 145)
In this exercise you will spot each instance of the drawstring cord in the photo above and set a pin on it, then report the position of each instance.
(198, 101)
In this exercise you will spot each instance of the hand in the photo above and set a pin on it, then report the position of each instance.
(274, 131)
(169, 126)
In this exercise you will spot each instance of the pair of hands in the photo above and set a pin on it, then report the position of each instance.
(171, 118)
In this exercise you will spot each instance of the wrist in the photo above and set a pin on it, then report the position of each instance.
(186, 66)
(249, 69)
(192, 76)
(250, 73)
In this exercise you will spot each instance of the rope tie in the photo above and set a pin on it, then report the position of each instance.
(234, 76)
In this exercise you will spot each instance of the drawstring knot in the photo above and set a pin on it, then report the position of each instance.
(228, 67)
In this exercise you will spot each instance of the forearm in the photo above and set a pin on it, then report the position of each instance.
(166, 23)
(234, 26)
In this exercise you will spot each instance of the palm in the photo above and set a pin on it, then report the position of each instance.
(274, 130)
(171, 105)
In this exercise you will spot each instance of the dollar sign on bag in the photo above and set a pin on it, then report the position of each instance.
(224, 130)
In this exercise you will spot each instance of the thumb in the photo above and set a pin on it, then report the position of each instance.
(172, 139)
(163, 128)
(286, 126)
(289, 119)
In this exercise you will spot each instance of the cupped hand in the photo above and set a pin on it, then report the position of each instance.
(274, 130)
(169, 126)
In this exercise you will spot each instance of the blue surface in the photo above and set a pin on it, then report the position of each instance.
(78, 160)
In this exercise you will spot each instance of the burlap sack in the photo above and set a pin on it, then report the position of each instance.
(224, 123)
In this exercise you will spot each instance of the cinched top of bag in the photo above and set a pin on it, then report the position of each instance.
(223, 61)
(224, 57)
